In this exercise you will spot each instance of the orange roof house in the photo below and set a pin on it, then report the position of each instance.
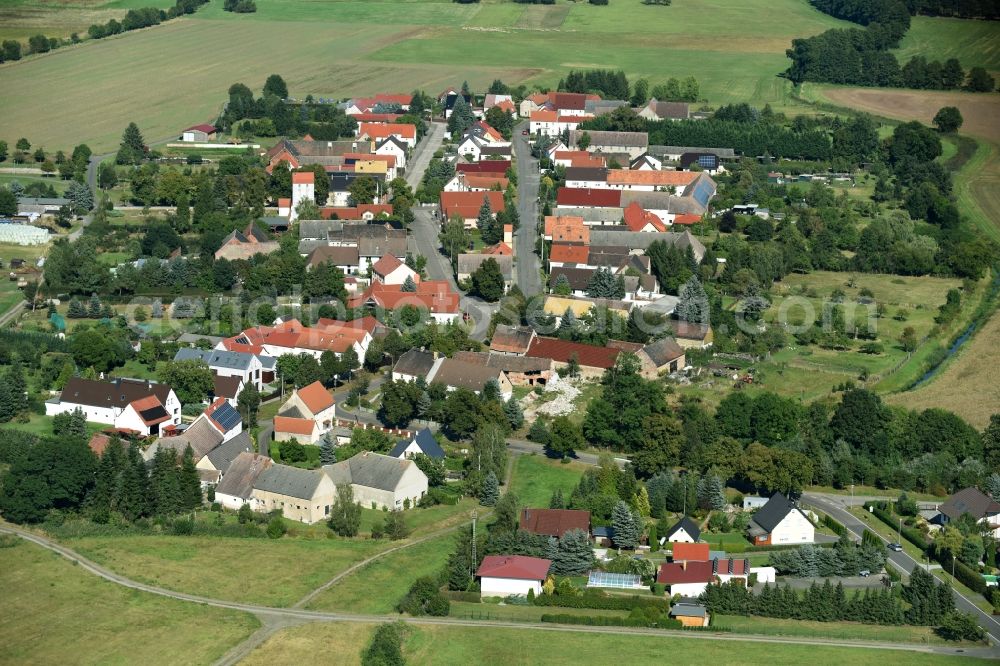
(466, 205)
(316, 397)
(500, 249)
(566, 253)
(628, 178)
(638, 218)
(404, 131)
(566, 229)
(435, 296)
(690, 552)
(303, 178)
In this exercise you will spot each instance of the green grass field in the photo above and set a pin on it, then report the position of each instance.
(536, 478)
(378, 587)
(974, 43)
(54, 612)
(205, 565)
(846, 630)
(351, 47)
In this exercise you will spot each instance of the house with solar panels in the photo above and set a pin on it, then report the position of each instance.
(223, 363)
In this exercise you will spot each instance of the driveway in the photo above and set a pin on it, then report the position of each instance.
(837, 507)
(528, 264)
(423, 153)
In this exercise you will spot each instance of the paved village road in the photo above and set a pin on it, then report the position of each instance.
(423, 153)
(270, 614)
(528, 264)
(836, 506)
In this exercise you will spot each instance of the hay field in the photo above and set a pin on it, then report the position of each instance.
(176, 74)
(980, 111)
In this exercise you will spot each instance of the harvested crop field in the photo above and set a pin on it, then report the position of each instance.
(965, 376)
(980, 111)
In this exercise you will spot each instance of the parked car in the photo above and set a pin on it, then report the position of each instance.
(895, 547)
(864, 573)
(524, 132)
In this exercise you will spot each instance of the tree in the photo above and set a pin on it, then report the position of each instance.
(394, 526)
(23, 144)
(424, 598)
(490, 493)
(8, 202)
(363, 190)
(107, 176)
(409, 285)
(275, 85)
(958, 626)
(327, 451)
(189, 481)
(575, 554)
(562, 287)
(345, 514)
(191, 380)
(948, 119)
(70, 424)
(51, 474)
(80, 196)
(711, 493)
(386, 648)
(489, 452)
(399, 403)
(515, 416)
(693, 302)
(276, 527)
(557, 501)
(461, 117)
(248, 402)
(991, 443)
(132, 149)
(432, 468)
(908, 340)
(507, 514)
(488, 281)
(538, 433)
(979, 81)
(565, 437)
(627, 531)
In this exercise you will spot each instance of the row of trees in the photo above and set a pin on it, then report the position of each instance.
(65, 475)
(845, 559)
(143, 18)
(862, 57)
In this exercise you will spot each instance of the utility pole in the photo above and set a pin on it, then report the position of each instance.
(472, 562)
(900, 535)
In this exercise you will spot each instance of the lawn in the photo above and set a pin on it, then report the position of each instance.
(378, 587)
(845, 630)
(734, 49)
(423, 521)
(39, 424)
(205, 565)
(56, 613)
(303, 645)
(537, 477)
(467, 610)
(491, 645)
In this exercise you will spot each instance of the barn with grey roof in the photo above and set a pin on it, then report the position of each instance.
(379, 481)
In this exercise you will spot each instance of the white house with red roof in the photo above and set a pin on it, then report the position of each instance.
(505, 102)
(435, 297)
(390, 270)
(466, 205)
(404, 132)
(363, 105)
(198, 133)
(504, 575)
(303, 189)
(392, 147)
(291, 337)
(307, 414)
(146, 416)
(638, 218)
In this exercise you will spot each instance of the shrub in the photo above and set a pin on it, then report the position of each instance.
(960, 626)
(183, 526)
(276, 528)
(605, 621)
(837, 528)
(602, 601)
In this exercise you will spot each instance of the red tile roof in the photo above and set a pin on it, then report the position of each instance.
(543, 116)
(207, 129)
(367, 117)
(303, 178)
(355, 212)
(467, 204)
(150, 402)
(433, 295)
(386, 265)
(672, 573)
(218, 402)
(485, 166)
(514, 566)
(294, 425)
(316, 397)
(687, 218)
(500, 249)
(637, 217)
(692, 552)
(570, 101)
(592, 197)
(554, 522)
(385, 130)
(677, 179)
(98, 442)
(562, 350)
(567, 229)
(569, 254)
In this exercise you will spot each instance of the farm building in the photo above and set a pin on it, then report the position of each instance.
(503, 575)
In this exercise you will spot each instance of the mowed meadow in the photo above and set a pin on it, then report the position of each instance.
(174, 75)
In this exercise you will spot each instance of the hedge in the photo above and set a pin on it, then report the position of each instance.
(837, 528)
(915, 537)
(604, 621)
(457, 595)
(733, 549)
(967, 576)
(602, 602)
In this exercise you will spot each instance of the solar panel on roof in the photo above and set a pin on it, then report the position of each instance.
(226, 416)
(613, 580)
